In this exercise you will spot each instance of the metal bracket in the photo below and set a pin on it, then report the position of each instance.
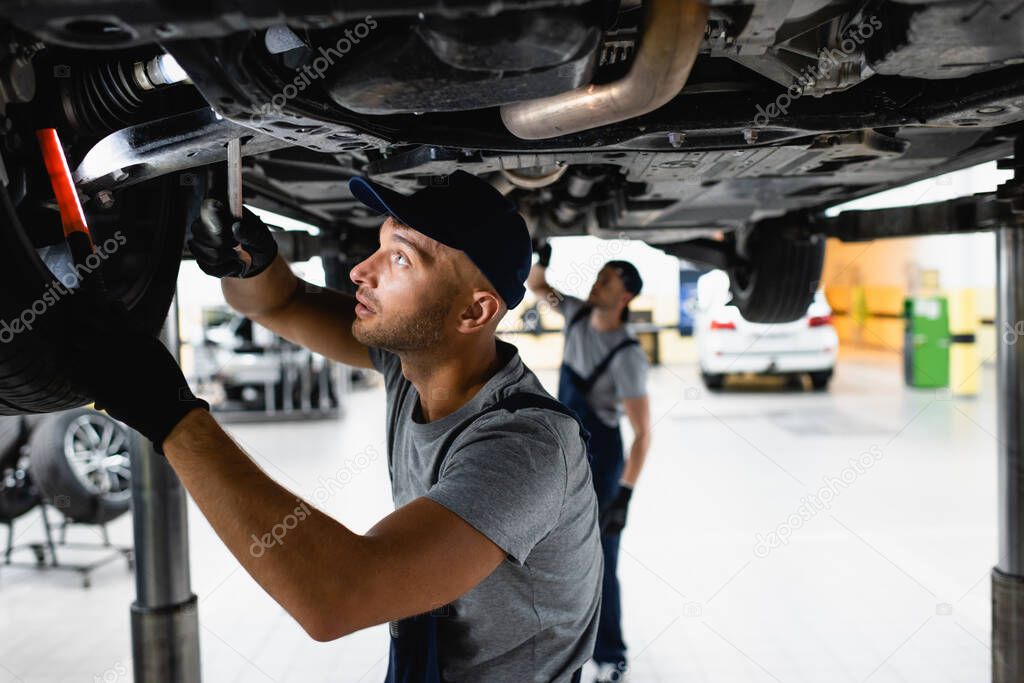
(1012, 191)
(156, 148)
(977, 213)
(714, 253)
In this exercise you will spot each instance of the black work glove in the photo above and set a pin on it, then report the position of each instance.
(129, 373)
(216, 234)
(613, 516)
(544, 255)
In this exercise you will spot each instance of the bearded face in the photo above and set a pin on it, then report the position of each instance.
(406, 292)
(608, 291)
(408, 328)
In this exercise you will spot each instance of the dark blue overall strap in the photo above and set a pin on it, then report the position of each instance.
(525, 399)
(396, 414)
(413, 654)
(588, 382)
(607, 360)
(512, 402)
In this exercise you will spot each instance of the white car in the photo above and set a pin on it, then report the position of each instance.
(729, 345)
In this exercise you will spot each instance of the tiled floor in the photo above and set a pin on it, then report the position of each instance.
(883, 576)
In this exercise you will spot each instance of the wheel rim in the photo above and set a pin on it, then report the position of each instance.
(96, 448)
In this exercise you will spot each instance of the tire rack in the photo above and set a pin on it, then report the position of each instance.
(293, 373)
(295, 370)
(40, 549)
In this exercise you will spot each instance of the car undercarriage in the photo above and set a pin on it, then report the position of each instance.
(719, 133)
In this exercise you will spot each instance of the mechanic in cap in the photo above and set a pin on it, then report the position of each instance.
(604, 370)
(490, 567)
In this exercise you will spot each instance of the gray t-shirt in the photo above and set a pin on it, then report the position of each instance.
(585, 347)
(522, 479)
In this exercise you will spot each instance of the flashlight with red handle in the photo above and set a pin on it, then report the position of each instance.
(72, 218)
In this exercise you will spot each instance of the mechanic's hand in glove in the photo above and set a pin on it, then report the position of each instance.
(613, 517)
(216, 234)
(544, 255)
(129, 373)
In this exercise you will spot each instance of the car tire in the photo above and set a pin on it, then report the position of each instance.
(713, 380)
(777, 278)
(12, 433)
(18, 493)
(34, 377)
(88, 479)
(820, 380)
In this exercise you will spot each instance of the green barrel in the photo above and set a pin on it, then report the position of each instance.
(926, 346)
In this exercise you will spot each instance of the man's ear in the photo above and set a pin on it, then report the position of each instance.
(485, 308)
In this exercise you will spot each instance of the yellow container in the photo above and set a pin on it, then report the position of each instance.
(964, 360)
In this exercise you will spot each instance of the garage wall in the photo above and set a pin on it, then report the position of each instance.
(866, 284)
(867, 281)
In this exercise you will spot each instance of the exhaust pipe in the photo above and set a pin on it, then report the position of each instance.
(673, 33)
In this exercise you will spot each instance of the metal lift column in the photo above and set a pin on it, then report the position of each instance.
(165, 621)
(1008, 574)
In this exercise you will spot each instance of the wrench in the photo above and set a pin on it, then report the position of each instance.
(235, 188)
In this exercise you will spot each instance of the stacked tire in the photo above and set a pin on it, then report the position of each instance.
(81, 463)
(18, 492)
(77, 461)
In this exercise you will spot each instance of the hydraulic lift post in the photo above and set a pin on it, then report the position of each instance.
(165, 620)
(1002, 212)
(1008, 574)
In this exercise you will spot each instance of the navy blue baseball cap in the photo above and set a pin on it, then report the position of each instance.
(630, 276)
(465, 213)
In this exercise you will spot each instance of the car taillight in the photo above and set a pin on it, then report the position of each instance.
(722, 325)
(819, 320)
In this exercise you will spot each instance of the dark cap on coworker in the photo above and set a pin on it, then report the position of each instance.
(465, 213)
(629, 274)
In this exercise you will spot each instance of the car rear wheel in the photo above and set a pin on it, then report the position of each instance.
(713, 380)
(81, 463)
(820, 380)
(777, 276)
